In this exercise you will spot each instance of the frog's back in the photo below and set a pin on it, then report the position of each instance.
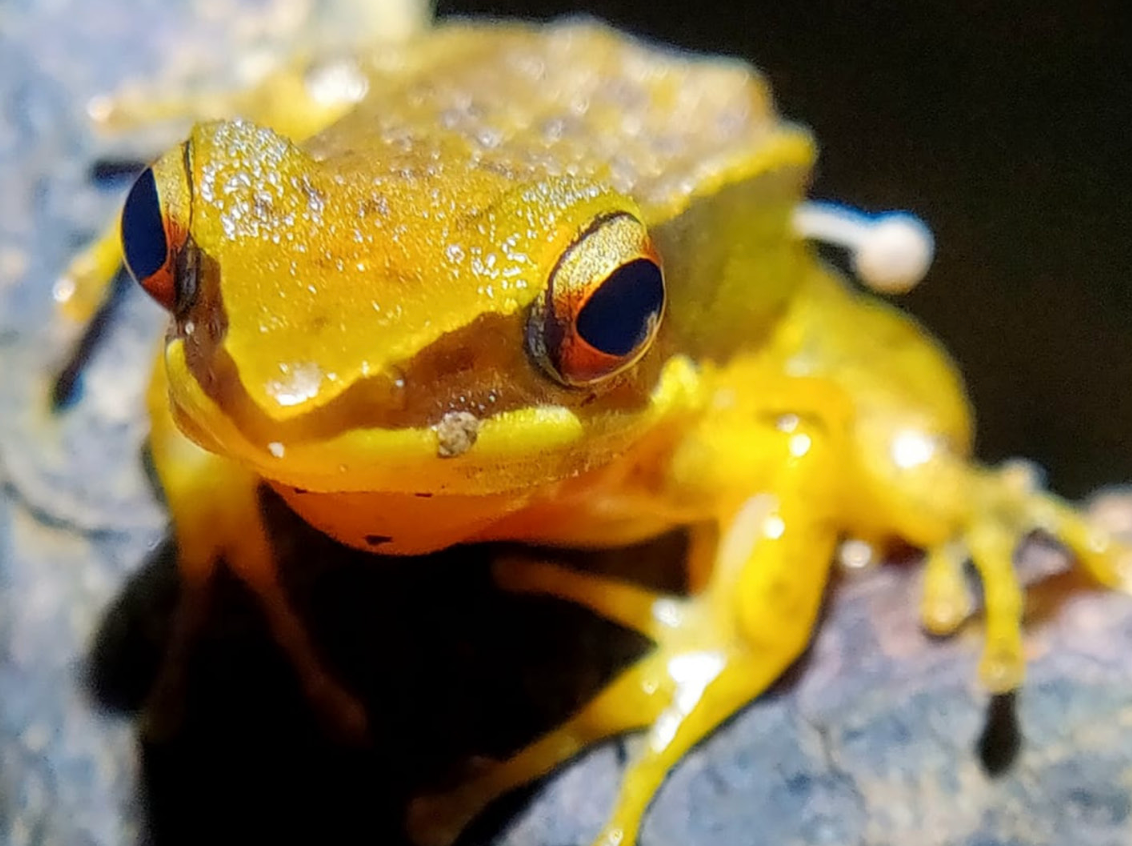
(574, 98)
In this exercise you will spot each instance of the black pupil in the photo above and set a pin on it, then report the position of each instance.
(617, 317)
(143, 230)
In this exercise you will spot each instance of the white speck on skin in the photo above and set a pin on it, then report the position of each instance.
(911, 448)
(302, 382)
(800, 444)
(774, 527)
(668, 613)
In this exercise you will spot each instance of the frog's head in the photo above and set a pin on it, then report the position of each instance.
(354, 323)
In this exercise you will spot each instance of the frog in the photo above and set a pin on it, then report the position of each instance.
(553, 285)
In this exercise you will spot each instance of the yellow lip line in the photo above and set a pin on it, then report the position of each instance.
(512, 449)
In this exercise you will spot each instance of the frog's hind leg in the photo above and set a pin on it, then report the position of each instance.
(733, 641)
(714, 653)
(633, 700)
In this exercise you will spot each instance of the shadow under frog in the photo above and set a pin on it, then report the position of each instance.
(448, 666)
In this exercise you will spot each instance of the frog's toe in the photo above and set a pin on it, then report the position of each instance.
(1009, 507)
(1003, 664)
(946, 602)
(1104, 554)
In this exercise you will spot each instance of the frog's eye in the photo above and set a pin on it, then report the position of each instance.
(154, 233)
(602, 307)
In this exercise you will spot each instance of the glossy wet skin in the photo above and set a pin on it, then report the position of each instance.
(379, 276)
(441, 320)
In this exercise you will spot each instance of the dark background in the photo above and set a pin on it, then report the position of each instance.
(1006, 126)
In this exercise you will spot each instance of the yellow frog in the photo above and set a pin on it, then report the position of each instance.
(549, 284)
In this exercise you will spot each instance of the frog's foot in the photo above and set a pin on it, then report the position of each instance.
(715, 652)
(1007, 506)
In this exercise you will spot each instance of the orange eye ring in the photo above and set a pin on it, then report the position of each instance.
(154, 239)
(602, 306)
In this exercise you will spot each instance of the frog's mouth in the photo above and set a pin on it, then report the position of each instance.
(456, 451)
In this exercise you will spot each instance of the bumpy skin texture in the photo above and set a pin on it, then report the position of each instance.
(824, 765)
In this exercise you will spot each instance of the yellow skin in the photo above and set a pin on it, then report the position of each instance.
(365, 270)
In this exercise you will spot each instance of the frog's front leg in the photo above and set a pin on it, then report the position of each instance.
(715, 651)
(214, 505)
